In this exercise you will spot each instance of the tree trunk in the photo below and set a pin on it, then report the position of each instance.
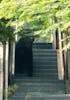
(68, 55)
(60, 58)
(11, 64)
(13, 60)
(5, 72)
(65, 57)
(1, 71)
(54, 40)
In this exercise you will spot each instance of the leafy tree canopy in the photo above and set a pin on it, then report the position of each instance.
(5, 31)
(39, 16)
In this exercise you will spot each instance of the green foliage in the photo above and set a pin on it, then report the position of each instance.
(40, 15)
(11, 90)
(5, 31)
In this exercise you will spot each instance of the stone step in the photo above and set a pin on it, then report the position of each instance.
(17, 82)
(36, 54)
(53, 58)
(44, 56)
(42, 45)
(45, 70)
(38, 63)
(40, 87)
(45, 84)
(50, 66)
(46, 61)
(42, 96)
(24, 78)
(43, 53)
(48, 92)
(48, 75)
(48, 69)
(45, 76)
(42, 66)
(37, 80)
(35, 50)
(45, 73)
(47, 65)
(44, 49)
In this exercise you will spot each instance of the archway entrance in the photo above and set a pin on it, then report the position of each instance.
(23, 57)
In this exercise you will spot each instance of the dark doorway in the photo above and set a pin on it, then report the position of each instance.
(23, 57)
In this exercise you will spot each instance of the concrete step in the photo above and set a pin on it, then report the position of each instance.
(41, 87)
(39, 66)
(44, 60)
(44, 55)
(25, 89)
(48, 63)
(26, 79)
(45, 70)
(44, 83)
(48, 92)
(17, 81)
(42, 96)
(44, 66)
(28, 87)
(53, 58)
(42, 45)
(46, 76)
(50, 66)
(48, 85)
(44, 49)
(35, 50)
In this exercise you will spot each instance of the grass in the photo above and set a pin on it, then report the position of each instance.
(11, 90)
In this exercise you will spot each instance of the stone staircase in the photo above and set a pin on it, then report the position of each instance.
(44, 84)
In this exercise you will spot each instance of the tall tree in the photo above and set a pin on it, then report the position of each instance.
(5, 34)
